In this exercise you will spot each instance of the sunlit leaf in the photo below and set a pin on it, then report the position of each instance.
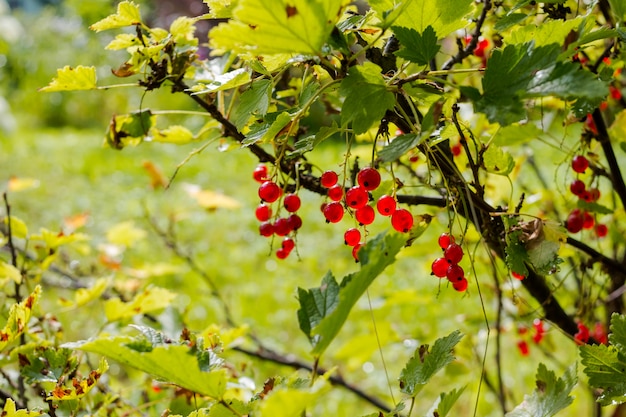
(83, 296)
(80, 386)
(549, 31)
(292, 402)
(9, 273)
(18, 227)
(183, 31)
(149, 300)
(129, 129)
(417, 47)
(498, 161)
(225, 81)
(255, 100)
(10, 410)
(176, 134)
(267, 132)
(19, 315)
(221, 9)
(68, 78)
(123, 41)
(127, 15)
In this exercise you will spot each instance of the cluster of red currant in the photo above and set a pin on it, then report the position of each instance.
(357, 201)
(538, 333)
(579, 219)
(599, 334)
(448, 265)
(285, 227)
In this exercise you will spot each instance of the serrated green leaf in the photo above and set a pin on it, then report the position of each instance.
(398, 147)
(123, 41)
(150, 299)
(497, 161)
(19, 316)
(310, 142)
(374, 257)
(516, 254)
(444, 16)
(255, 100)
(173, 363)
(127, 15)
(176, 134)
(222, 82)
(516, 134)
(417, 47)
(548, 32)
(551, 395)
(593, 207)
(268, 131)
(618, 332)
(129, 129)
(221, 9)
(366, 97)
(69, 79)
(424, 364)
(278, 27)
(183, 31)
(317, 303)
(48, 364)
(444, 403)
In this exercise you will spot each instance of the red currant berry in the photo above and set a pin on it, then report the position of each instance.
(263, 212)
(456, 149)
(440, 267)
(333, 212)
(295, 222)
(386, 205)
(292, 202)
(356, 197)
(269, 191)
(539, 330)
(335, 192)
(601, 230)
(356, 249)
(260, 173)
(288, 244)
(365, 215)
(574, 222)
(402, 220)
(588, 220)
(522, 346)
(282, 253)
(616, 94)
(445, 240)
(266, 229)
(517, 276)
(580, 164)
(281, 226)
(368, 178)
(352, 237)
(455, 273)
(599, 333)
(577, 187)
(453, 253)
(460, 285)
(329, 178)
(582, 336)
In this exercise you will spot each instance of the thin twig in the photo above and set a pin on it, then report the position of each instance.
(7, 207)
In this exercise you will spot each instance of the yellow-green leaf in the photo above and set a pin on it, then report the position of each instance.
(123, 41)
(221, 9)
(177, 134)
(80, 386)
(151, 299)
(9, 273)
(291, 402)
(83, 296)
(125, 234)
(19, 315)
(221, 82)
(18, 227)
(68, 79)
(127, 15)
(53, 240)
(183, 31)
(9, 410)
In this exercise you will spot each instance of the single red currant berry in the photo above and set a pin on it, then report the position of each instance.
(453, 253)
(577, 187)
(455, 273)
(539, 330)
(599, 333)
(414, 158)
(522, 346)
(365, 215)
(574, 222)
(586, 196)
(269, 191)
(292, 202)
(288, 244)
(588, 220)
(329, 178)
(282, 253)
(335, 192)
(263, 212)
(368, 178)
(445, 240)
(352, 237)
(460, 285)
(356, 197)
(295, 222)
(266, 229)
(580, 164)
(440, 267)
(402, 220)
(601, 230)
(517, 276)
(281, 227)
(333, 212)
(591, 124)
(616, 94)
(456, 149)
(260, 173)
(386, 205)
(582, 336)
(356, 249)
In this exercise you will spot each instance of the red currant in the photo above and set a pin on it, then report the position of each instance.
(295, 222)
(368, 178)
(577, 187)
(352, 237)
(455, 273)
(574, 222)
(335, 192)
(329, 178)
(582, 336)
(402, 220)
(456, 149)
(522, 346)
(282, 253)
(263, 212)
(266, 229)
(445, 240)
(588, 220)
(365, 215)
(386, 205)
(292, 202)
(281, 226)
(357, 197)
(453, 253)
(601, 230)
(517, 276)
(333, 212)
(440, 267)
(260, 173)
(355, 251)
(460, 285)
(288, 244)
(269, 191)
(580, 164)
(599, 333)
(539, 330)
(615, 92)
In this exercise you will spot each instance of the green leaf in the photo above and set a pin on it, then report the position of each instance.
(68, 79)
(278, 27)
(374, 257)
(268, 131)
(129, 129)
(255, 100)
(183, 30)
(516, 134)
(366, 97)
(176, 134)
(173, 363)
(497, 161)
(150, 299)
(236, 408)
(416, 47)
(9, 273)
(510, 20)
(444, 16)
(221, 9)
(317, 303)
(550, 31)
(127, 15)
(292, 401)
(18, 227)
(10, 410)
(424, 364)
(618, 7)
(398, 147)
(516, 254)
(617, 338)
(551, 395)
(222, 82)
(47, 364)
(444, 403)
(593, 207)
(310, 142)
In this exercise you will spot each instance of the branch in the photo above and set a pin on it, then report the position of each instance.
(596, 256)
(615, 171)
(7, 207)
